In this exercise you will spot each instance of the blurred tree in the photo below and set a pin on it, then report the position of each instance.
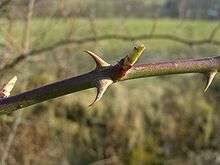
(183, 8)
(196, 9)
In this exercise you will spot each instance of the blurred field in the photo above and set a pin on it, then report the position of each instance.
(48, 31)
(160, 120)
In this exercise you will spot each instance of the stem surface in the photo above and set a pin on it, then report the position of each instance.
(89, 80)
(203, 65)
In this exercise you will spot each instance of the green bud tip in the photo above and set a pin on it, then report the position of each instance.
(136, 53)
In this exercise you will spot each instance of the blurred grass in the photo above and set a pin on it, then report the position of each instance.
(148, 121)
(47, 31)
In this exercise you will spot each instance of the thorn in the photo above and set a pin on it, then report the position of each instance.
(101, 88)
(211, 76)
(98, 60)
(7, 88)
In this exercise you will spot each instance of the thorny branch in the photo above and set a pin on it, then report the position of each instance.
(105, 74)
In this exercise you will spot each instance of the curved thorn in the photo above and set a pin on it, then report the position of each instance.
(7, 88)
(211, 76)
(98, 60)
(101, 88)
